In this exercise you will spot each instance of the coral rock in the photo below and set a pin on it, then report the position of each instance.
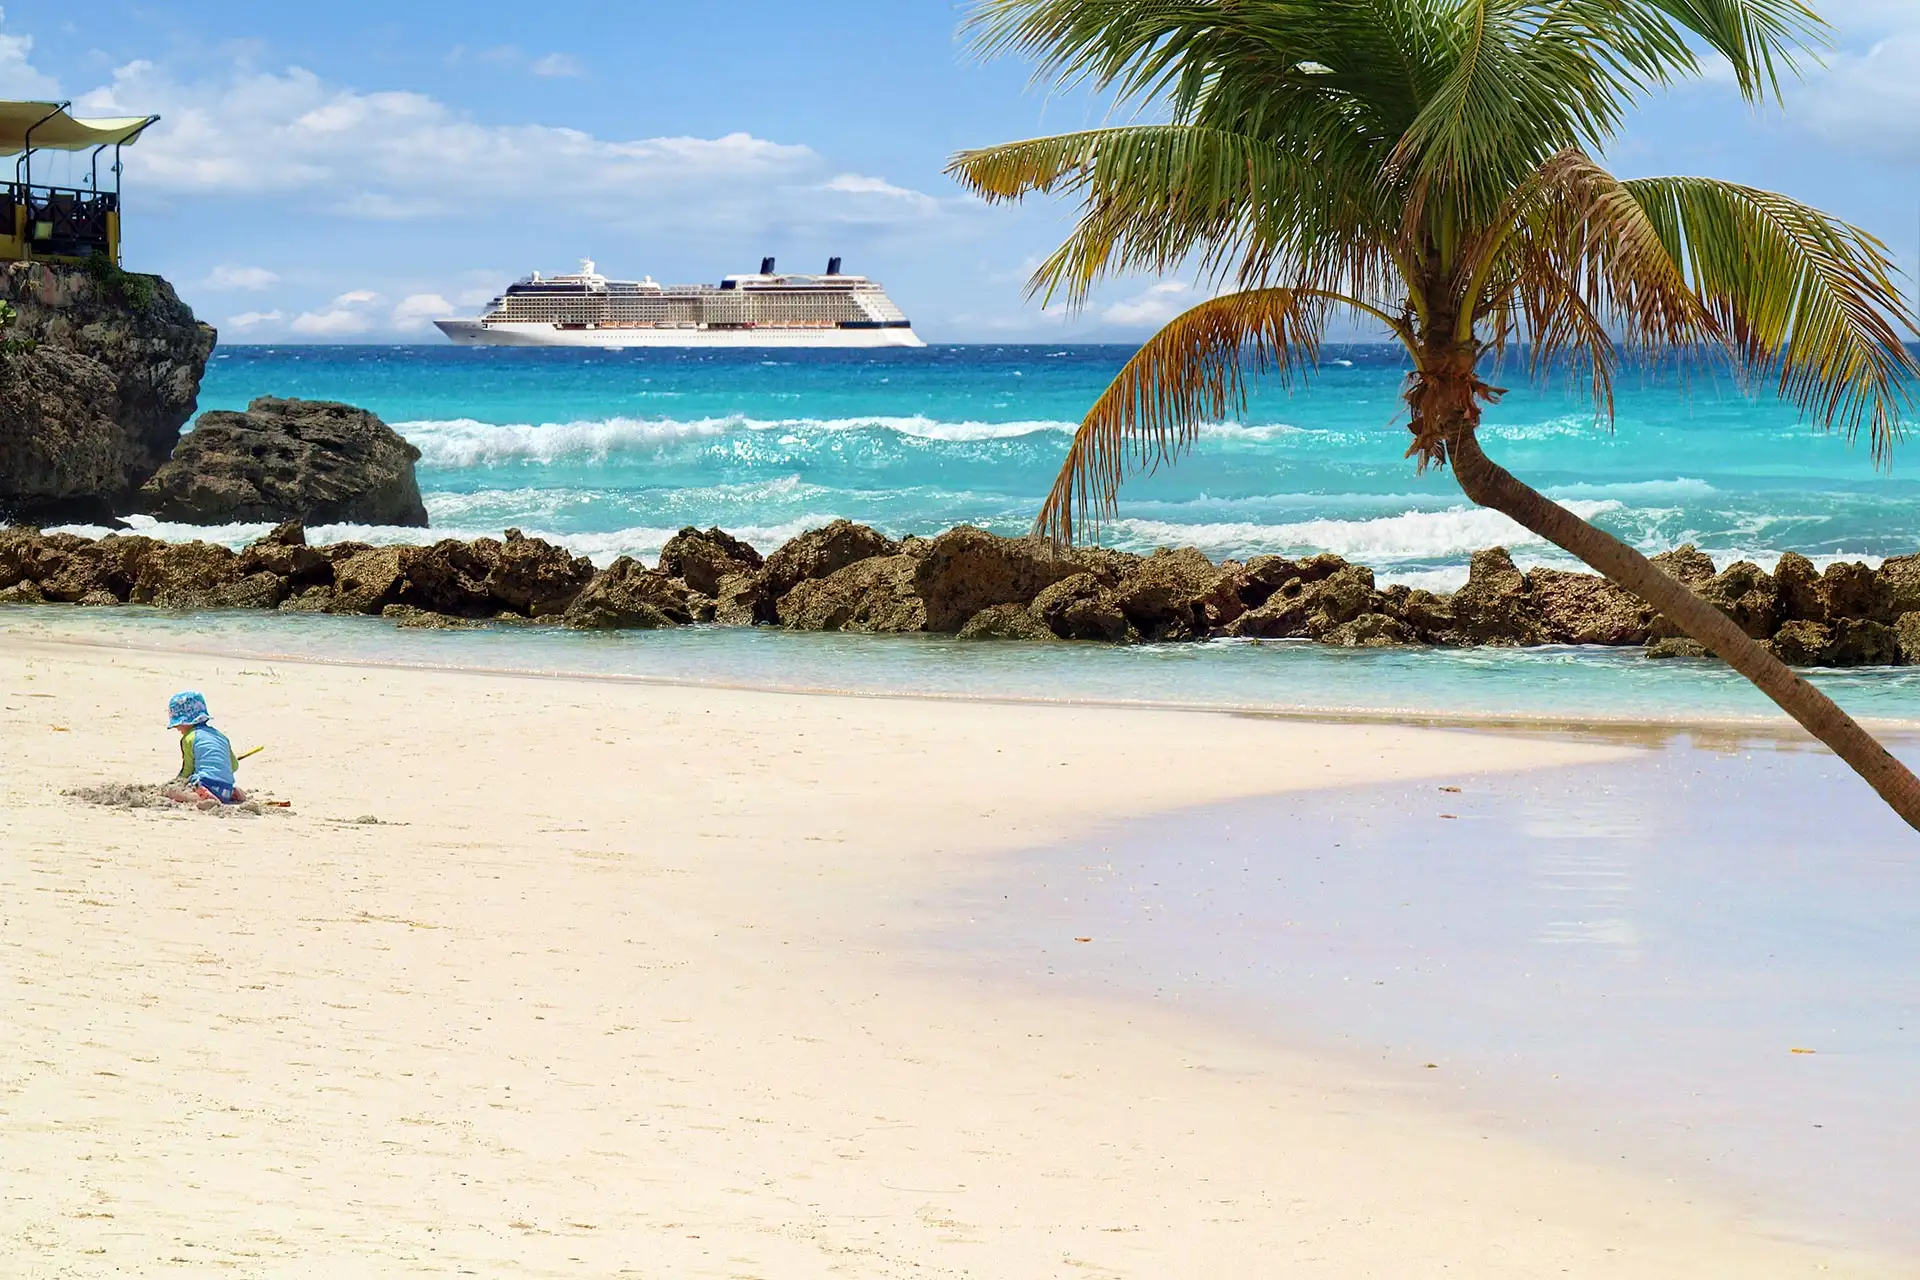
(1006, 622)
(1080, 607)
(877, 594)
(702, 559)
(627, 595)
(310, 460)
(966, 570)
(1801, 643)
(1584, 608)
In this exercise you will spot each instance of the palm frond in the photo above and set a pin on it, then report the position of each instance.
(1194, 370)
(1161, 197)
(1573, 263)
(1795, 292)
(1528, 78)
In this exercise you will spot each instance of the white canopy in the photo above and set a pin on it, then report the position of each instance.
(54, 130)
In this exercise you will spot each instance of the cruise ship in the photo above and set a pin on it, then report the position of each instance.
(765, 309)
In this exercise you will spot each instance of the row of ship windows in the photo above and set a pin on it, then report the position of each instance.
(638, 308)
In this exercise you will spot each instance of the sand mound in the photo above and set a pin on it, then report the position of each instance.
(135, 795)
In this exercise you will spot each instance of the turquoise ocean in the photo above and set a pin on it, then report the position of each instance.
(610, 452)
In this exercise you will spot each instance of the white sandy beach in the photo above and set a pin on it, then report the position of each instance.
(625, 983)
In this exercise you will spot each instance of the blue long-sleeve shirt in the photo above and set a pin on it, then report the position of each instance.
(206, 756)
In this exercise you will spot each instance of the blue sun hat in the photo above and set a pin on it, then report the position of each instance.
(188, 708)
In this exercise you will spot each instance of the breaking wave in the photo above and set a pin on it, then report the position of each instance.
(1412, 536)
(466, 442)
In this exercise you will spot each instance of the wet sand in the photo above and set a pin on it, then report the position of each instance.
(1702, 960)
(629, 979)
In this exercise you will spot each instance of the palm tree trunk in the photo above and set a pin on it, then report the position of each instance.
(1490, 485)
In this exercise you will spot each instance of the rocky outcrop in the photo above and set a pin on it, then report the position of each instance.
(878, 594)
(100, 371)
(628, 595)
(1078, 607)
(535, 578)
(1746, 594)
(819, 553)
(1002, 622)
(1495, 607)
(965, 570)
(847, 577)
(1583, 608)
(702, 559)
(310, 460)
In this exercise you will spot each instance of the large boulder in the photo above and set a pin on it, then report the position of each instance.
(533, 577)
(1369, 631)
(877, 594)
(1584, 608)
(1899, 580)
(1862, 642)
(1494, 607)
(744, 600)
(628, 595)
(1797, 590)
(187, 575)
(1005, 622)
(1080, 607)
(1747, 594)
(310, 460)
(701, 559)
(30, 556)
(285, 554)
(1179, 595)
(370, 580)
(1851, 590)
(451, 578)
(100, 572)
(1309, 607)
(820, 552)
(965, 570)
(1264, 575)
(1687, 564)
(1426, 614)
(1906, 632)
(104, 371)
(1800, 643)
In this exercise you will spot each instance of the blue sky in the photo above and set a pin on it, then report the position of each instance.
(341, 172)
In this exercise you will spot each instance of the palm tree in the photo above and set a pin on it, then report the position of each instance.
(1428, 165)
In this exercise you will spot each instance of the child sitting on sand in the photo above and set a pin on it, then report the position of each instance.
(206, 757)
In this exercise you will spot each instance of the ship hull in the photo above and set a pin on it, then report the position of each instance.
(474, 333)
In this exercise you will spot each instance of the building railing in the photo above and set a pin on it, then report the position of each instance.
(58, 222)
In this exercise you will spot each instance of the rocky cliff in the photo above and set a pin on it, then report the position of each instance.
(98, 373)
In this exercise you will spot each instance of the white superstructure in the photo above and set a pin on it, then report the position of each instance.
(765, 309)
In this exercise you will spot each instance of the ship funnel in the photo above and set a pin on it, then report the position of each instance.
(833, 266)
(766, 266)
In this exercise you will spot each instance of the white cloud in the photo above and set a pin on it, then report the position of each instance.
(252, 319)
(243, 279)
(1157, 304)
(396, 154)
(1868, 101)
(871, 193)
(19, 78)
(557, 64)
(345, 316)
(417, 310)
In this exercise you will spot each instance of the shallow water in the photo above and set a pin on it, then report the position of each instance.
(1621, 960)
(1558, 684)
